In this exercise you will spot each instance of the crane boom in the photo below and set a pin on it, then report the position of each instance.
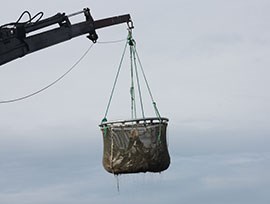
(19, 39)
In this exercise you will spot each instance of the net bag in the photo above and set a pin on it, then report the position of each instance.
(134, 146)
(139, 144)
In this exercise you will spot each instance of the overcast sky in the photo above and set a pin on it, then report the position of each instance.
(208, 67)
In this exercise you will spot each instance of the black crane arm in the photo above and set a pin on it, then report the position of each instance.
(19, 39)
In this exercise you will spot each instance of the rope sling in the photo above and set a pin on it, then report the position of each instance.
(138, 144)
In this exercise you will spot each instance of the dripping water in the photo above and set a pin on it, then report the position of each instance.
(117, 182)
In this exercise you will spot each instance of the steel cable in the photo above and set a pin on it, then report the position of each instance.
(51, 84)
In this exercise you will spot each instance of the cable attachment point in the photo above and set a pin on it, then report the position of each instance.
(130, 24)
(131, 41)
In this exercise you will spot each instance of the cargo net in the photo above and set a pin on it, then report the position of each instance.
(135, 146)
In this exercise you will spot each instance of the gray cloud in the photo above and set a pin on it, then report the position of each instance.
(210, 178)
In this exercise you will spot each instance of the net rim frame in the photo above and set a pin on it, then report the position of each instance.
(149, 120)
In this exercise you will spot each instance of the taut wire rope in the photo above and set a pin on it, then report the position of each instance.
(138, 81)
(132, 91)
(147, 84)
(134, 58)
(111, 41)
(114, 84)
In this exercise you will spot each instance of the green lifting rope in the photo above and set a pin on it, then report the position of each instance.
(134, 57)
(114, 84)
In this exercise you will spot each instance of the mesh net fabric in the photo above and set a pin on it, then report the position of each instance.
(134, 148)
